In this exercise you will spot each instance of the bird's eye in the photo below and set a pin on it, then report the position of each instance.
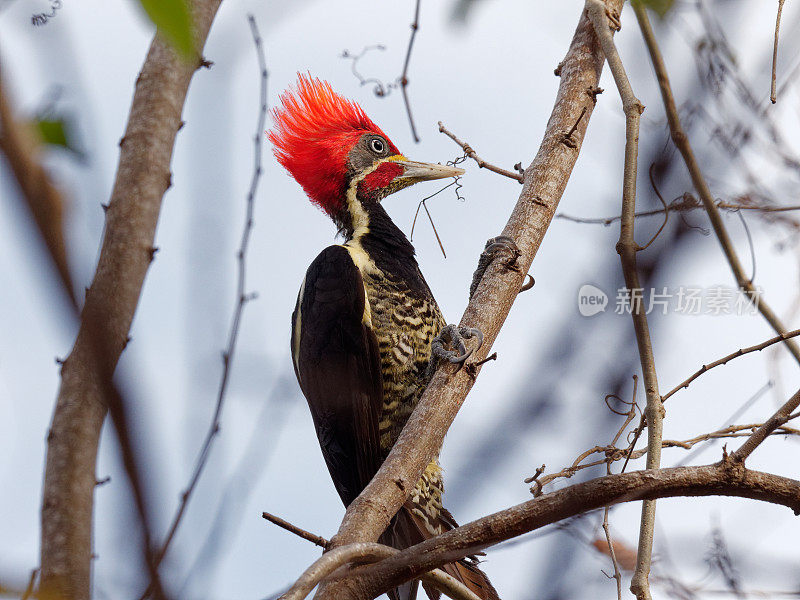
(376, 145)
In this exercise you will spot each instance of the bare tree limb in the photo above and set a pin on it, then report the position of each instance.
(627, 249)
(709, 480)
(143, 177)
(545, 180)
(729, 357)
(681, 141)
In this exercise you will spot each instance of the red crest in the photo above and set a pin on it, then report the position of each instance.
(315, 129)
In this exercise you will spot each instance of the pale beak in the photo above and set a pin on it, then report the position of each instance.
(420, 171)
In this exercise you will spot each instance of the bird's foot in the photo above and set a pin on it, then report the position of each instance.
(453, 336)
(496, 247)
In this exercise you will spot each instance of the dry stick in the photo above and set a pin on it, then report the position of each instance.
(369, 514)
(773, 94)
(617, 575)
(23, 152)
(242, 299)
(681, 141)
(404, 75)
(142, 179)
(366, 552)
(306, 535)
(481, 163)
(681, 206)
(729, 357)
(707, 480)
(627, 249)
(781, 416)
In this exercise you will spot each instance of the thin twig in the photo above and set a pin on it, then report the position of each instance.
(28, 593)
(666, 209)
(306, 535)
(781, 416)
(380, 89)
(684, 203)
(773, 95)
(681, 141)
(520, 176)
(242, 298)
(627, 248)
(404, 74)
(741, 352)
(617, 574)
(422, 203)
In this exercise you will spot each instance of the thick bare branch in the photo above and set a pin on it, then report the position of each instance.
(143, 176)
(711, 480)
(545, 181)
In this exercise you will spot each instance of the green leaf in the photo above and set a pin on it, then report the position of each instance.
(53, 132)
(174, 22)
(58, 132)
(661, 7)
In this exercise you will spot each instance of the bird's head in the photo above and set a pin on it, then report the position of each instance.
(340, 157)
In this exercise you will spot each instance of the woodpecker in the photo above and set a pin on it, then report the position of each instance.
(366, 328)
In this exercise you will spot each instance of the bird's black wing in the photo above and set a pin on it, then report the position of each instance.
(337, 363)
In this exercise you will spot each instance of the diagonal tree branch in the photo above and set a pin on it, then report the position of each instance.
(143, 176)
(545, 180)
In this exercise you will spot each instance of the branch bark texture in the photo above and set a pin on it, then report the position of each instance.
(545, 180)
(143, 176)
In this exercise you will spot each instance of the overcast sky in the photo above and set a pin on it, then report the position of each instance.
(491, 81)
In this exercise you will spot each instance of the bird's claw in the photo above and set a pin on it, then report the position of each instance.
(453, 336)
(496, 246)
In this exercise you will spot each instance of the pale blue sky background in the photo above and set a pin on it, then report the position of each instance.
(491, 81)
